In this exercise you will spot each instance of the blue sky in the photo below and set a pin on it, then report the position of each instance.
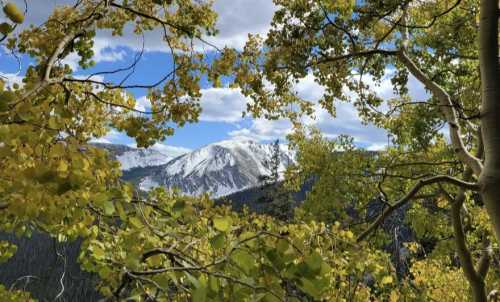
(221, 117)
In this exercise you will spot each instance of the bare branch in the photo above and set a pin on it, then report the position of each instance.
(163, 22)
(448, 111)
(484, 262)
(410, 195)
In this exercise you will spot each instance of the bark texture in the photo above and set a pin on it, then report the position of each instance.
(490, 110)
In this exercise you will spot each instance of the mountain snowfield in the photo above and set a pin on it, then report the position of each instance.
(220, 169)
(130, 157)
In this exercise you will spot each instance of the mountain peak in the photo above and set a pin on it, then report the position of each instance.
(220, 168)
(131, 157)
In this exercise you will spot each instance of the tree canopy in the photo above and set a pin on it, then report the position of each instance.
(442, 166)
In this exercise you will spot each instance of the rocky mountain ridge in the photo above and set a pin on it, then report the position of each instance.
(219, 169)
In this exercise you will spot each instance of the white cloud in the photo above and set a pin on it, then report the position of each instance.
(116, 137)
(100, 140)
(103, 52)
(262, 129)
(112, 137)
(142, 104)
(308, 89)
(218, 105)
(238, 18)
(98, 77)
(222, 105)
(11, 78)
(346, 121)
(377, 147)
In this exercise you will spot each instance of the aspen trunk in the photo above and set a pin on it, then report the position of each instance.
(490, 110)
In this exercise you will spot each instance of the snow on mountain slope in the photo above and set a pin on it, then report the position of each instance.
(220, 169)
(142, 158)
(134, 157)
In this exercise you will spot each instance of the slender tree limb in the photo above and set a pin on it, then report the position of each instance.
(448, 111)
(476, 281)
(474, 275)
(484, 262)
(46, 79)
(163, 22)
(410, 195)
(353, 55)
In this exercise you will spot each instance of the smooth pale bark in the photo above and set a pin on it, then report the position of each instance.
(449, 113)
(476, 281)
(490, 110)
(474, 276)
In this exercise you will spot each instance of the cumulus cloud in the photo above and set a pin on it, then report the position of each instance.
(222, 105)
(103, 52)
(218, 105)
(11, 78)
(100, 140)
(235, 20)
(142, 104)
(116, 137)
(262, 129)
(377, 147)
(346, 120)
(112, 137)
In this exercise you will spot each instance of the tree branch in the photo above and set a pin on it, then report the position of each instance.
(448, 111)
(409, 196)
(475, 276)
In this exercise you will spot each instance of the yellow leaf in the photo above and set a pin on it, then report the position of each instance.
(222, 223)
(14, 14)
(134, 221)
(394, 297)
(386, 280)
(62, 166)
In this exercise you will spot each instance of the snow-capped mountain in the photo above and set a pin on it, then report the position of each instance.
(135, 157)
(221, 168)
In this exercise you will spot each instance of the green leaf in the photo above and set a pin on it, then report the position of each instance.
(282, 246)
(218, 241)
(314, 262)
(213, 284)
(200, 294)
(163, 280)
(179, 206)
(58, 150)
(109, 208)
(270, 298)
(62, 166)
(121, 212)
(244, 260)
(135, 222)
(196, 283)
(98, 252)
(222, 224)
(310, 288)
(5, 29)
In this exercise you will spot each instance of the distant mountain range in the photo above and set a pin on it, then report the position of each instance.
(130, 157)
(220, 169)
